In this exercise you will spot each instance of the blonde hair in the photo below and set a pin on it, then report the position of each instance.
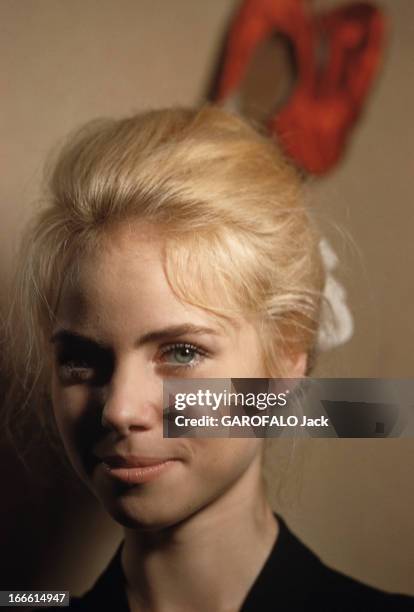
(230, 209)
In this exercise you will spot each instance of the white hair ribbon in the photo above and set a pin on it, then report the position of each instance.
(337, 323)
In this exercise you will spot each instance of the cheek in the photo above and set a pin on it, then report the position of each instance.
(68, 405)
(70, 410)
(222, 461)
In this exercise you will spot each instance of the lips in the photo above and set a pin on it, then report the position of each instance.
(132, 461)
(132, 469)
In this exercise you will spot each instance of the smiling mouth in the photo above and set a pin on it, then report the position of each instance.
(136, 470)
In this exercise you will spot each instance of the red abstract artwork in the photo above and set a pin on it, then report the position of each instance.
(314, 125)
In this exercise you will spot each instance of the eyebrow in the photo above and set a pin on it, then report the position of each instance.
(167, 333)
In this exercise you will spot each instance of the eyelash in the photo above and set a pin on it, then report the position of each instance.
(79, 370)
(200, 352)
(76, 371)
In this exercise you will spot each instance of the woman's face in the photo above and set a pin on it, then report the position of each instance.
(120, 331)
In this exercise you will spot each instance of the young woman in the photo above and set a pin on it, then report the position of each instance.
(175, 244)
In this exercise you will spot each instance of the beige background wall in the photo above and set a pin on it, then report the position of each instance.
(62, 63)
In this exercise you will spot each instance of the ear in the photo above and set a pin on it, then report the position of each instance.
(298, 365)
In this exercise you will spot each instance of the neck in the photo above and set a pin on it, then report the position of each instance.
(208, 561)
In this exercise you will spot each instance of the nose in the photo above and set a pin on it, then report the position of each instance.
(132, 400)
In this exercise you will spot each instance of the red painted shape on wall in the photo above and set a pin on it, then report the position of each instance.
(314, 125)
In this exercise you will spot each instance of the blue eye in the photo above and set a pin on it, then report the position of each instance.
(76, 371)
(182, 355)
(84, 364)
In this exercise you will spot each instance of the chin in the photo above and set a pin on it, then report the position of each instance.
(136, 512)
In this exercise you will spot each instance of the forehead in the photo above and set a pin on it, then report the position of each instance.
(122, 282)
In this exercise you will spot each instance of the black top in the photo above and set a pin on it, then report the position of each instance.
(292, 579)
